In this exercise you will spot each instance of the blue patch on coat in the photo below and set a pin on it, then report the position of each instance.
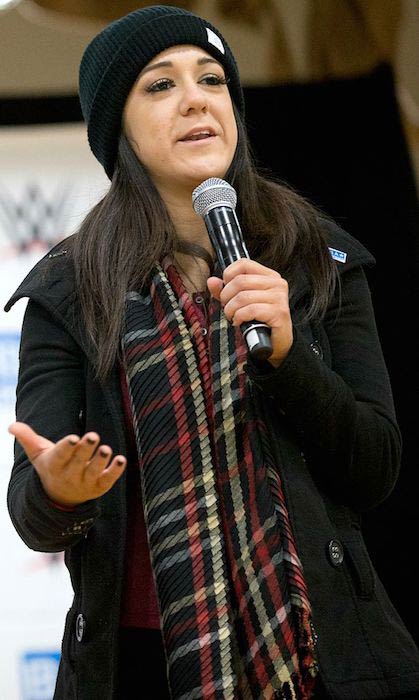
(338, 255)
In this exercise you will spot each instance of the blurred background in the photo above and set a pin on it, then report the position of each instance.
(332, 94)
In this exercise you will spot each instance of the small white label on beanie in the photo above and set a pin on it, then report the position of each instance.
(215, 40)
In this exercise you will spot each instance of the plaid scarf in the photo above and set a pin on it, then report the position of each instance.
(235, 614)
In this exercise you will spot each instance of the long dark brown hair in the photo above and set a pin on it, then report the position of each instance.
(122, 237)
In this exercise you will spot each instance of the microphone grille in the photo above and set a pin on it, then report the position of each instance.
(211, 193)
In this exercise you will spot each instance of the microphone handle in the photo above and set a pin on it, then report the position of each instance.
(226, 237)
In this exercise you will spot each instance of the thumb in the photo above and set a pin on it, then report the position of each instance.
(215, 286)
(32, 443)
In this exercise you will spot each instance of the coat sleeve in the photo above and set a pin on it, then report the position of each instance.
(343, 415)
(50, 399)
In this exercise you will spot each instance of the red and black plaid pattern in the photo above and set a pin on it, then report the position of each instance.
(235, 613)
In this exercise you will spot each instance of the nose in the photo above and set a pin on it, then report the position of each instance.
(194, 98)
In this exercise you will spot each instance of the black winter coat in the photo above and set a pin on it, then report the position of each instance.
(333, 424)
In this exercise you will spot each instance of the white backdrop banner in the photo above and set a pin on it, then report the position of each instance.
(48, 182)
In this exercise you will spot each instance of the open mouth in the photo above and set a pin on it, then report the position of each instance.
(199, 136)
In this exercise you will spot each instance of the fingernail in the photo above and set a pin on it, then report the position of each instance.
(91, 440)
(73, 440)
(103, 453)
(120, 462)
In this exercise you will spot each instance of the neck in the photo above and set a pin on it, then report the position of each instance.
(190, 228)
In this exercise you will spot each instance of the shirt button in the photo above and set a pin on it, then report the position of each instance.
(80, 627)
(335, 552)
(204, 331)
(199, 299)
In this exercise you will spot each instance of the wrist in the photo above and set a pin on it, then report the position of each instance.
(59, 502)
(275, 362)
(60, 506)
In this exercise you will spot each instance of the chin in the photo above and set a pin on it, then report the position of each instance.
(206, 173)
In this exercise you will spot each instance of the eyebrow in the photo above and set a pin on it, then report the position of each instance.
(164, 64)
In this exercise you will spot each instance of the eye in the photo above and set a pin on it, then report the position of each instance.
(214, 79)
(160, 85)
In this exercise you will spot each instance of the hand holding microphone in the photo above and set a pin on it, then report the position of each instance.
(250, 290)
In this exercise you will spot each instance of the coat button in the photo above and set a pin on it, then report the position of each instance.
(317, 348)
(80, 627)
(335, 552)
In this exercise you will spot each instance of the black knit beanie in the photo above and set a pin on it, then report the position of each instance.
(112, 61)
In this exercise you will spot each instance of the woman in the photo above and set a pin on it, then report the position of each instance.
(237, 569)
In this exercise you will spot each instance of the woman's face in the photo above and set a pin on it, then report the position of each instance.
(179, 119)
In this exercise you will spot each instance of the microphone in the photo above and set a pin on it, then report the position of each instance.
(215, 201)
